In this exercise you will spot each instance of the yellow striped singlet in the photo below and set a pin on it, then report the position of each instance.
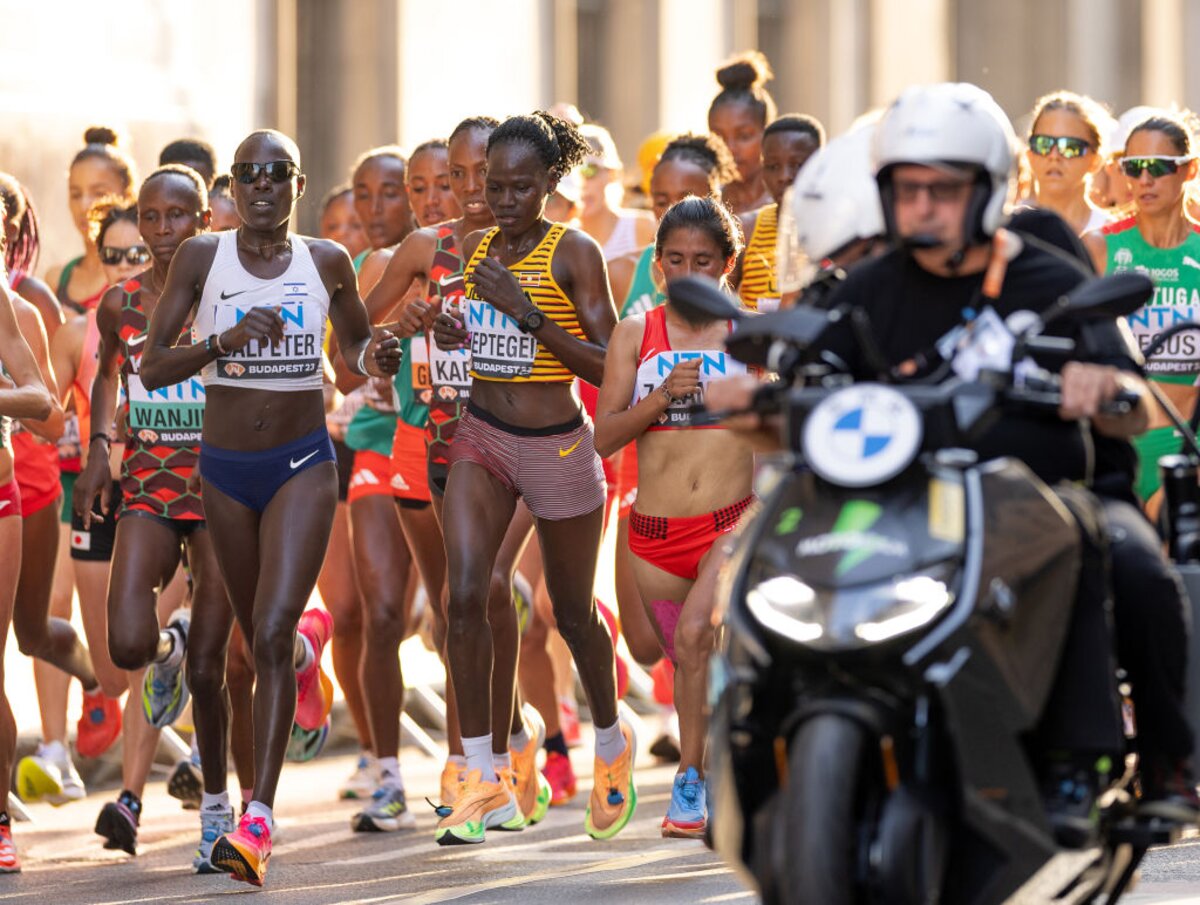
(758, 289)
(499, 350)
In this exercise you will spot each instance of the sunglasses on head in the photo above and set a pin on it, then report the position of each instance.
(134, 254)
(1068, 146)
(1133, 167)
(276, 170)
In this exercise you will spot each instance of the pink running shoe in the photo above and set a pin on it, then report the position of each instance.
(313, 688)
(561, 776)
(244, 853)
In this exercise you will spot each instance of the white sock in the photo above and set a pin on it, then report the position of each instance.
(220, 802)
(258, 809)
(307, 654)
(479, 756)
(610, 743)
(518, 740)
(54, 751)
(175, 657)
(389, 773)
(458, 760)
(502, 760)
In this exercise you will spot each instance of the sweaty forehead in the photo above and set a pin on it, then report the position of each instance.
(515, 157)
(262, 147)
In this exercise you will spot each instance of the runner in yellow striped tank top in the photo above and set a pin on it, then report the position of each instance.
(539, 313)
(787, 143)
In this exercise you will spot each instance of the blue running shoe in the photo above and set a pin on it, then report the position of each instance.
(688, 812)
(214, 824)
(164, 691)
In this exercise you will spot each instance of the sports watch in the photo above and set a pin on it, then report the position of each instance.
(532, 320)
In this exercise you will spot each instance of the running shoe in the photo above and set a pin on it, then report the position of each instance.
(561, 776)
(614, 796)
(387, 813)
(244, 853)
(479, 805)
(314, 691)
(164, 690)
(568, 721)
(453, 776)
(118, 823)
(99, 724)
(213, 825)
(532, 788)
(687, 813)
(662, 674)
(9, 863)
(49, 775)
(364, 780)
(186, 783)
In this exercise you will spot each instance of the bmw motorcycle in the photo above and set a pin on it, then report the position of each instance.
(892, 622)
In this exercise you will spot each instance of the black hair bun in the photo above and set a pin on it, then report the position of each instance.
(101, 135)
(745, 71)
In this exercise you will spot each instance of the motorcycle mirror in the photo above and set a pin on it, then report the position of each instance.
(700, 298)
(1118, 295)
(801, 327)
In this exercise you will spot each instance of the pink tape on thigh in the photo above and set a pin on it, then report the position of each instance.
(666, 614)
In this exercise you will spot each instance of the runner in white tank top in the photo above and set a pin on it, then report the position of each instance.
(270, 484)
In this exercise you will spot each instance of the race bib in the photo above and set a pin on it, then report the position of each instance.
(499, 350)
(450, 373)
(298, 355)
(170, 416)
(418, 358)
(714, 365)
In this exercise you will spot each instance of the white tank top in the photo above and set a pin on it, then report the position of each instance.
(623, 239)
(299, 294)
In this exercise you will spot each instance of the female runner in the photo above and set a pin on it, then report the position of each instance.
(739, 115)
(539, 313)
(787, 143)
(1162, 240)
(432, 255)
(260, 298)
(22, 395)
(1065, 152)
(160, 515)
(693, 483)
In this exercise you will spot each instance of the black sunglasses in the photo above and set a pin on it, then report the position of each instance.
(1068, 146)
(134, 254)
(276, 170)
(1133, 167)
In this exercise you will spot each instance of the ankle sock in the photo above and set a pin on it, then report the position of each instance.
(174, 656)
(518, 740)
(610, 743)
(258, 809)
(218, 802)
(502, 760)
(307, 654)
(389, 773)
(479, 756)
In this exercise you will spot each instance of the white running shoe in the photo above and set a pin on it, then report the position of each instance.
(363, 781)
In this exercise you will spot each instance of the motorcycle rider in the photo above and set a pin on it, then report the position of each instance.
(944, 158)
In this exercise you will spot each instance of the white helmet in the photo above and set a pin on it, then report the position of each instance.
(953, 124)
(833, 202)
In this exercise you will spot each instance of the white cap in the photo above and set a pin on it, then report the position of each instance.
(604, 149)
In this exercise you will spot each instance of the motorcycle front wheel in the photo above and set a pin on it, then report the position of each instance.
(822, 810)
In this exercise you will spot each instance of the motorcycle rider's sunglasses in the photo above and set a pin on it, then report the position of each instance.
(1133, 167)
(1068, 146)
(940, 192)
(276, 170)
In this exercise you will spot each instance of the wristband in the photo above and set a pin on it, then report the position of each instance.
(662, 388)
(99, 435)
(217, 342)
(362, 360)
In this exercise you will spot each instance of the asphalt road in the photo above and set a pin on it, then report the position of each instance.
(317, 859)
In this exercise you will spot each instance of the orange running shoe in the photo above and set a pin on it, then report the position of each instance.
(99, 724)
(532, 789)
(314, 696)
(561, 776)
(453, 777)
(244, 853)
(9, 862)
(614, 796)
(480, 805)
